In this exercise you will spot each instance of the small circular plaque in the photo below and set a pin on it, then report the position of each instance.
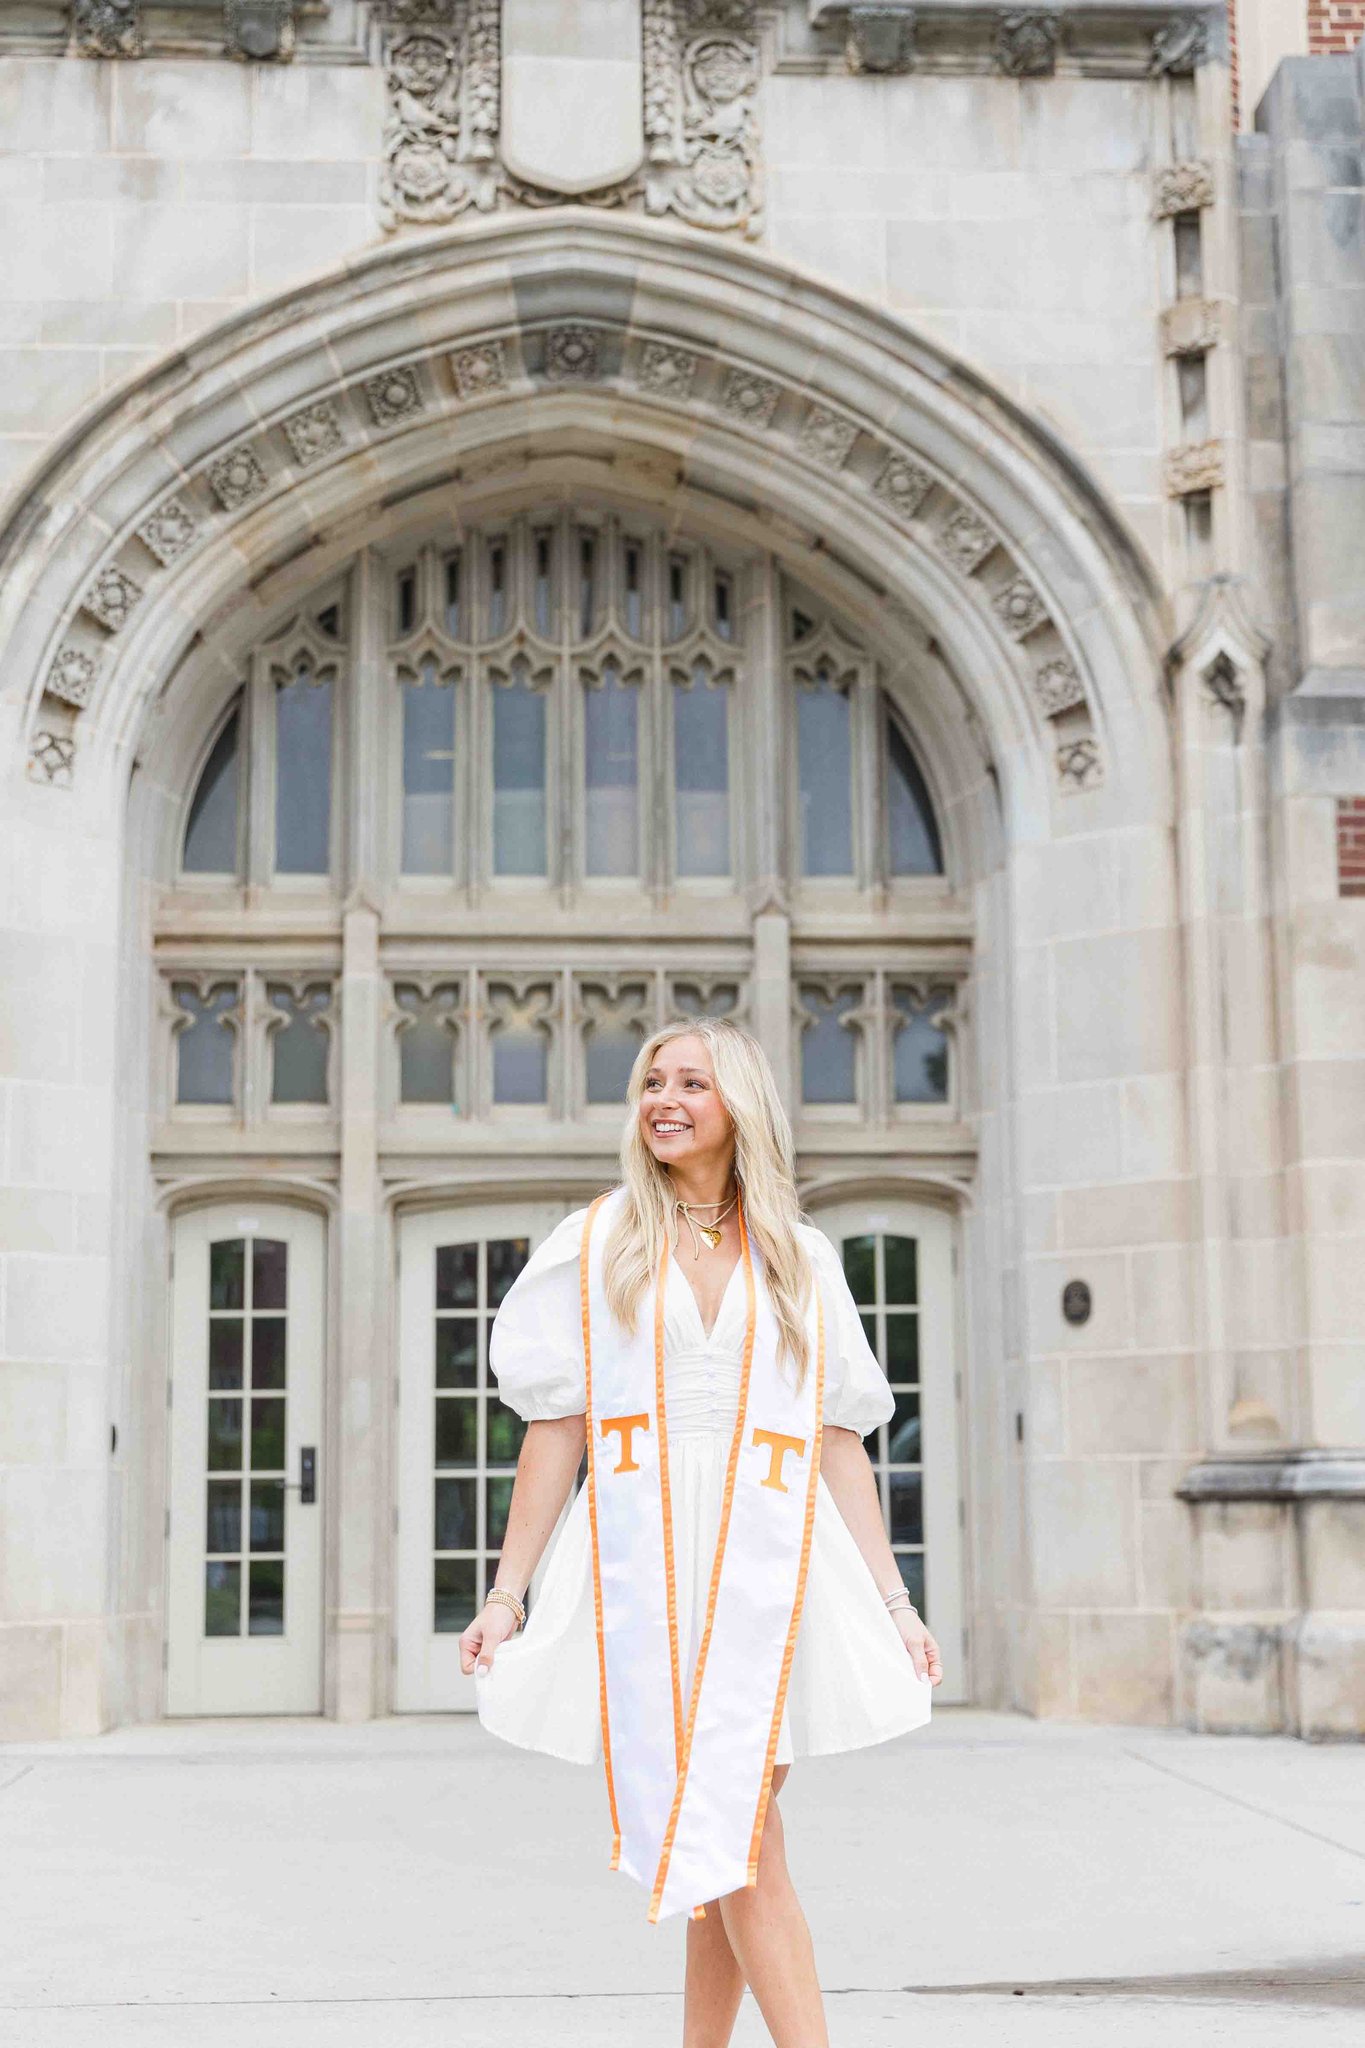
(1076, 1301)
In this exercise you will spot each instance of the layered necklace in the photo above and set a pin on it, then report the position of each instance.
(708, 1234)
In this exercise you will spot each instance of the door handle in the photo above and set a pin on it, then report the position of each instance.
(306, 1485)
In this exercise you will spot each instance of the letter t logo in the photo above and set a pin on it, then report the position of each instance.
(625, 1426)
(778, 1447)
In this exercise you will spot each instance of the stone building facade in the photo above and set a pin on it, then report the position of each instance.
(521, 519)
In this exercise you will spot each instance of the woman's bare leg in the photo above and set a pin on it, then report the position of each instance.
(714, 1983)
(771, 1943)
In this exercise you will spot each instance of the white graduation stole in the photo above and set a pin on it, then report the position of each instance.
(689, 1783)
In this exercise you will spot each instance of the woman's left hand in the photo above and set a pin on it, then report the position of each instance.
(921, 1645)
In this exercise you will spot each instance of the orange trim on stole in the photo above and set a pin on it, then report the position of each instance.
(592, 1524)
(670, 1575)
(731, 1470)
(756, 1839)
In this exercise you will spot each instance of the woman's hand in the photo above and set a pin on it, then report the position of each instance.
(493, 1625)
(923, 1649)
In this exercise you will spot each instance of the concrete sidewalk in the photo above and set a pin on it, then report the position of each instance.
(988, 1881)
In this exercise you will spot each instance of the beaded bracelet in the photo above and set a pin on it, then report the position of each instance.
(506, 1599)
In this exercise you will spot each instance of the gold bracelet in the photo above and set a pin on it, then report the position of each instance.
(505, 1598)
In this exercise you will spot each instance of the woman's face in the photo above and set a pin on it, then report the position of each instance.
(681, 1114)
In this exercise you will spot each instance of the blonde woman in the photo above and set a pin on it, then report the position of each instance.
(722, 1597)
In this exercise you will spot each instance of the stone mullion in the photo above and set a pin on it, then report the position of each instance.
(258, 738)
(765, 859)
(371, 747)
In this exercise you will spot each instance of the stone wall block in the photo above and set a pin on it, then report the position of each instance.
(179, 108)
(1332, 1538)
(31, 1679)
(1245, 1557)
(1123, 1404)
(1330, 1658)
(1068, 1495)
(45, 98)
(1236, 1676)
(1069, 1137)
(1125, 1667)
(182, 252)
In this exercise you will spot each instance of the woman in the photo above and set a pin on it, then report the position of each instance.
(723, 1596)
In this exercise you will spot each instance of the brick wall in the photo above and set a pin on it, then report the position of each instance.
(1334, 25)
(1351, 845)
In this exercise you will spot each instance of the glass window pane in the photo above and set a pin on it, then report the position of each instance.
(677, 596)
(912, 1571)
(211, 833)
(405, 594)
(907, 1511)
(453, 596)
(457, 1351)
(829, 1053)
(267, 1514)
(497, 589)
(225, 1352)
(701, 756)
(265, 1601)
(457, 1430)
(902, 1432)
(901, 1255)
(632, 558)
(902, 1347)
(223, 1528)
(428, 776)
(611, 756)
(860, 1269)
(298, 1047)
(609, 1050)
(303, 777)
(457, 1276)
(587, 584)
(521, 1044)
(911, 827)
(267, 1436)
(869, 1323)
(269, 1271)
(267, 1351)
(505, 1434)
(222, 1599)
(506, 1257)
(518, 777)
(426, 1045)
(499, 1501)
(544, 584)
(456, 1509)
(206, 1046)
(824, 731)
(225, 1436)
(227, 1272)
(919, 1047)
(455, 1594)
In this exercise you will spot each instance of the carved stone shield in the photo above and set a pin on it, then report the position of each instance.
(572, 117)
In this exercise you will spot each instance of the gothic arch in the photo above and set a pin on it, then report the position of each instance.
(176, 513)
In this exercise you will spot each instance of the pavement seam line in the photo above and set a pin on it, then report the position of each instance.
(1247, 1805)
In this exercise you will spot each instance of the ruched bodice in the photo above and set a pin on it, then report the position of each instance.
(701, 1373)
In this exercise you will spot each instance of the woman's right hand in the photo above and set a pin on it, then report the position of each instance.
(493, 1625)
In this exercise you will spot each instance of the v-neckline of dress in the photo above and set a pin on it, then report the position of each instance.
(675, 1265)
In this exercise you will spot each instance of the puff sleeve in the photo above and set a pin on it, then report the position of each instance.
(857, 1395)
(535, 1348)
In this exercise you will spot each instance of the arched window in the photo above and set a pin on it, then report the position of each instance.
(913, 846)
(212, 828)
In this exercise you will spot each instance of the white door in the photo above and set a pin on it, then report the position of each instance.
(244, 1614)
(457, 1443)
(898, 1260)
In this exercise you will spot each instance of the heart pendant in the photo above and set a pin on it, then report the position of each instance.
(711, 1235)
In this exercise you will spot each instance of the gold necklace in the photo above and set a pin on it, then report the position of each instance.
(709, 1233)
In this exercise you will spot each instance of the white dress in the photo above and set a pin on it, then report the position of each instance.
(852, 1680)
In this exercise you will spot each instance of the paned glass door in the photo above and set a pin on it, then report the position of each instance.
(897, 1260)
(458, 1443)
(245, 1508)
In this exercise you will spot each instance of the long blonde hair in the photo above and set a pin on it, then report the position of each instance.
(764, 1171)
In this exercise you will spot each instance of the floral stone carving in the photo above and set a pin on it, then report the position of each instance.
(111, 597)
(1058, 687)
(1179, 46)
(573, 353)
(1026, 43)
(1198, 466)
(52, 758)
(236, 478)
(667, 370)
(72, 676)
(1019, 608)
(1080, 764)
(827, 436)
(966, 541)
(394, 396)
(106, 28)
(903, 486)
(480, 369)
(314, 432)
(1181, 188)
(749, 398)
(259, 31)
(169, 531)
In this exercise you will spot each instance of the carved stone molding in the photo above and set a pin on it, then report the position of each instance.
(904, 486)
(236, 478)
(1179, 46)
(395, 396)
(1026, 43)
(480, 369)
(169, 531)
(1080, 764)
(880, 39)
(72, 676)
(111, 597)
(52, 759)
(1197, 466)
(827, 437)
(1181, 188)
(1019, 608)
(1058, 687)
(965, 540)
(698, 84)
(749, 398)
(1191, 327)
(314, 432)
(260, 31)
(573, 354)
(106, 28)
(667, 370)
